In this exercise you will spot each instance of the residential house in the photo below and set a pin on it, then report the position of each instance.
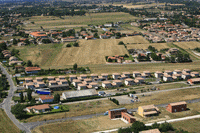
(13, 58)
(106, 84)
(75, 82)
(129, 81)
(72, 77)
(168, 72)
(39, 108)
(147, 73)
(83, 76)
(186, 75)
(116, 113)
(46, 98)
(89, 37)
(127, 74)
(194, 81)
(158, 74)
(186, 71)
(93, 85)
(136, 74)
(50, 78)
(38, 35)
(105, 75)
(29, 85)
(61, 77)
(28, 80)
(52, 82)
(32, 70)
(194, 74)
(117, 83)
(87, 81)
(15, 62)
(139, 80)
(40, 85)
(116, 75)
(63, 82)
(93, 76)
(39, 79)
(177, 72)
(167, 77)
(81, 86)
(176, 76)
(147, 110)
(177, 107)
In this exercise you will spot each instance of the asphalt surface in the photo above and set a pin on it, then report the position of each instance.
(6, 105)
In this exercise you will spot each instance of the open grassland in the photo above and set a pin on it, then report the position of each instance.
(129, 28)
(82, 126)
(76, 21)
(145, 46)
(192, 126)
(6, 125)
(89, 52)
(187, 45)
(100, 106)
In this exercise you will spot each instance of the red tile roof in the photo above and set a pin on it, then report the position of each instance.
(45, 97)
(32, 69)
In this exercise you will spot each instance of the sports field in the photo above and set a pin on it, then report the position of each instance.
(187, 45)
(145, 46)
(48, 22)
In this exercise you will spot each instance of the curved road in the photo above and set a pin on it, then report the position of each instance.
(6, 105)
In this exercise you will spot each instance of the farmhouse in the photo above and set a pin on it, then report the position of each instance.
(31, 70)
(81, 93)
(177, 107)
(81, 86)
(129, 81)
(116, 75)
(148, 110)
(194, 81)
(158, 74)
(46, 98)
(39, 108)
(106, 84)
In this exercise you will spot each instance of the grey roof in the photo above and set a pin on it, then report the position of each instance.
(81, 93)
(117, 109)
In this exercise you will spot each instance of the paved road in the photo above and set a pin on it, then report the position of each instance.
(7, 102)
(160, 122)
(32, 125)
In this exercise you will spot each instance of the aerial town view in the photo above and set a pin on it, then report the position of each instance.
(100, 66)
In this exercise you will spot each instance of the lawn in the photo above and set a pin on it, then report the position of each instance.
(6, 125)
(145, 46)
(48, 22)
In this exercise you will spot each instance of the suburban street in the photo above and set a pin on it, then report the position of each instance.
(7, 103)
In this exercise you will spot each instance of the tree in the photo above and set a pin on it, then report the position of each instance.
(14, 41)
(56, 98)
(109, 60)
(96, 35)
(29, 94)
(21, 97)
(27, 41)
(18, 110)
(155, 125)
(33, 101)
(75, 44)
(138, 126)
(68, 45)
(75, 66)
(29, 63)
(164, 127)
(121, 43)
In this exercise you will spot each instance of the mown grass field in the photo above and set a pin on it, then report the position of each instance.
(145, 46)
(76, 21)
(6, 125)
(187, 45)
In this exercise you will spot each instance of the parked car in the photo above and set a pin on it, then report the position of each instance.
(106, 113)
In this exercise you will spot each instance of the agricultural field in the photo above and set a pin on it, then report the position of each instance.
(187, 45)
(6, 125)
(145, 46)
(138, 6)
(49, 22)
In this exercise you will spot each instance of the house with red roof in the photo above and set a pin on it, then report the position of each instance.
(46, 98)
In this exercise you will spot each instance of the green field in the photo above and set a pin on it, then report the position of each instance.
(6, 125)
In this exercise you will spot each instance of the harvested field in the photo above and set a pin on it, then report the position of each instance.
(145, 46)
(138, 6)
(133, 40)
(187, 45)
(79, 21)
